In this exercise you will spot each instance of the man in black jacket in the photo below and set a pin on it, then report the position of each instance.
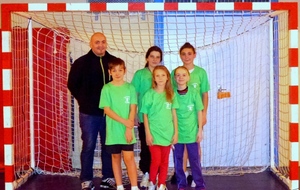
(87, 76)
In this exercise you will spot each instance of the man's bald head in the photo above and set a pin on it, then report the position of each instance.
(98, 44)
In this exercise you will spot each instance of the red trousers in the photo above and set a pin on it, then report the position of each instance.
(159, 163)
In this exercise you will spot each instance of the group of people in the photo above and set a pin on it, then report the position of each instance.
(171, 110)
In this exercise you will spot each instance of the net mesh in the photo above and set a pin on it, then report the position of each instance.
(237, 49)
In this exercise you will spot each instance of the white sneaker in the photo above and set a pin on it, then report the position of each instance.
(186, 174)
(145, 180)
(151, 186)
(193, 184)
(120, 187)
(162, 187)
(134, 188)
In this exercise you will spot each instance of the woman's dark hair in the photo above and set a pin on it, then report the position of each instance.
(153, 48)
(187, 45)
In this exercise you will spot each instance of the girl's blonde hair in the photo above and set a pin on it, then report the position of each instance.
(181, 67)
(168, 87)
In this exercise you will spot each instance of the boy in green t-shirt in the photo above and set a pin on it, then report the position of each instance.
(118, 99)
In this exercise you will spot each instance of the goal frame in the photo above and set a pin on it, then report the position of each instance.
(6, 60)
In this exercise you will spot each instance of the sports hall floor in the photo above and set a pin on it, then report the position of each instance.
(261, 181)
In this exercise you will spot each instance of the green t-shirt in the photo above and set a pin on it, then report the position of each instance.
(119, 99)
(142, 81)
(160, 117)
(198, 80)
(187, 115)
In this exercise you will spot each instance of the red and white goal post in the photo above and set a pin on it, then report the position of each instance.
(250, 49)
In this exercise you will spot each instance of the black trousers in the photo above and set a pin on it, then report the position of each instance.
(145, 157)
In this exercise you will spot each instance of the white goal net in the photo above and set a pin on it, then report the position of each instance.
(240, 50)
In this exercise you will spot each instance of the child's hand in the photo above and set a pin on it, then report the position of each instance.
(128, 135)
(129, 124)
(149, 139)
(175, 139)
(199, 136)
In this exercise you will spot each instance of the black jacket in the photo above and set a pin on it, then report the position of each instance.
(85, 81)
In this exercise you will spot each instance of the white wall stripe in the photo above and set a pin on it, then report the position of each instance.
(9, 185)
(7, 79)
(154, 6)
(117, 7)
(261, 6)
(77, 6)
(225, 6)
(294, 113)
(294, 75)
(295, 151)
(7, 119)
(187, 6)
(37, 6)
(6, 44)
(294, 39)
(8, 157)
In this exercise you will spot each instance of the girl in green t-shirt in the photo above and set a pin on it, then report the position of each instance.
(190, 133)
(118, 99)
(142, 81)
(158, 107)
(199, 81)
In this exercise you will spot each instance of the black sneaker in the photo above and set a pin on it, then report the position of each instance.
(174, 179)
(108, 183)
(87, 185)
(189, 179)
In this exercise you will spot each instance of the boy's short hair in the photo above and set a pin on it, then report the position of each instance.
(115, 62)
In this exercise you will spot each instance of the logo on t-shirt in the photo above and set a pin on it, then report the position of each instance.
(195, 85)
(168, 105)
(190, 107)
(127, 99)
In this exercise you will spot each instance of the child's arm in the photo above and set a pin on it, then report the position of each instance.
(128, 132)
(132, 112)
(205, 104)
(136, 117)
(127, 122)
(149, 138)
(175, 123)
(200, 126)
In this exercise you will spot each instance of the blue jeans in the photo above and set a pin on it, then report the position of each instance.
(90, 127)
(194, 159)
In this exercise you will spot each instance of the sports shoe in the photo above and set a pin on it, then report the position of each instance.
(193, 184)
(189, 179)
(151, 186)
(145, 180)
(162, 187)
(120, 187)
(134, 188)
(87, 185)
(108, 183)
